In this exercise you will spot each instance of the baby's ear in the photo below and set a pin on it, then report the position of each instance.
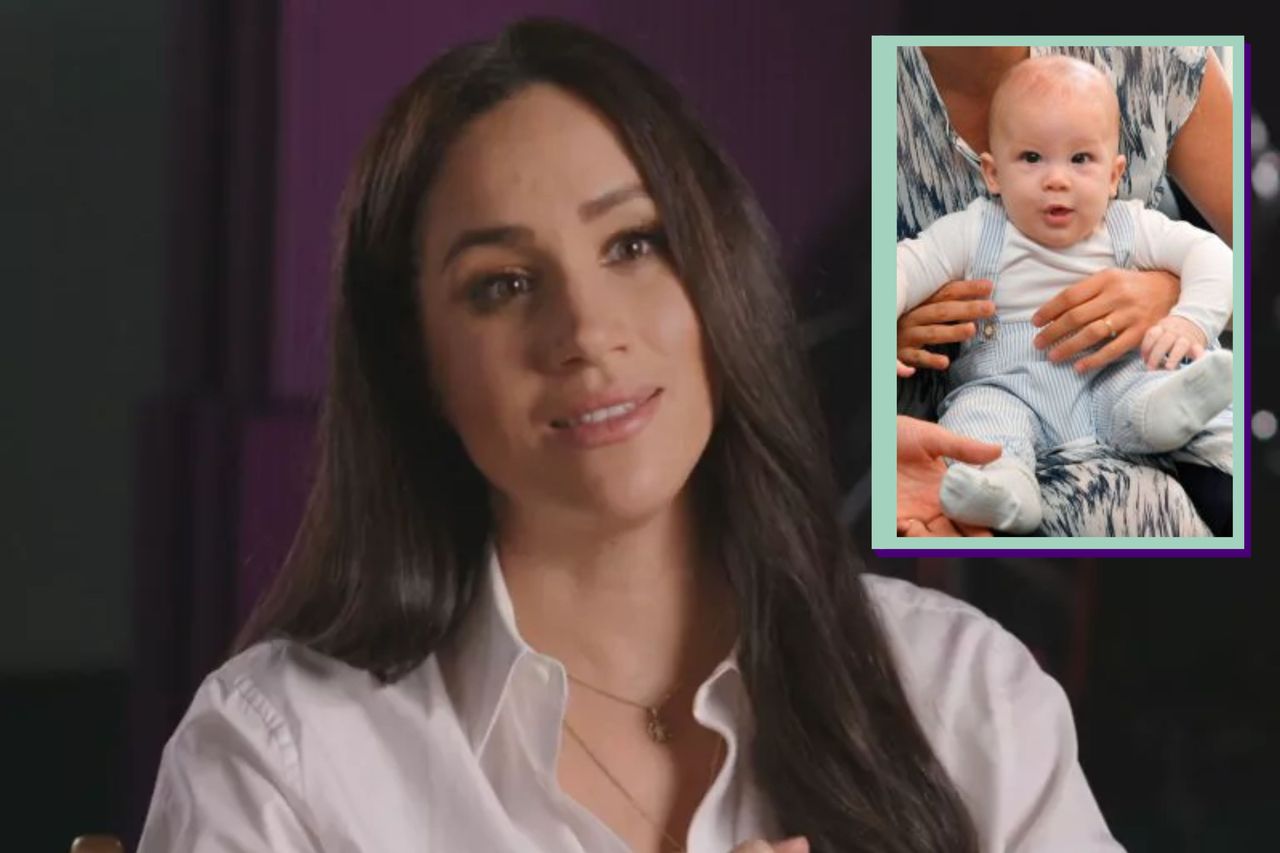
(1117, 170)
(989, 173)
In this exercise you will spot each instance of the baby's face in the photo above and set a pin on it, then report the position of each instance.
(1055, 165)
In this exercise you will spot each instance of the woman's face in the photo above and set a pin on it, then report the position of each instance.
(563, 348)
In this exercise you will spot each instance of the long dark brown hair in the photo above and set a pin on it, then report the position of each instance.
(392, 544)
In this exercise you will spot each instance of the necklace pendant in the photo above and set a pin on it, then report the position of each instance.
(658, 731)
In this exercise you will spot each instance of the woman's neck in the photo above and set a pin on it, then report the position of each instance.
(966, 78)
(971, 71)
(633, 611)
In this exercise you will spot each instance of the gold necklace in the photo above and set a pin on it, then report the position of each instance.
(635, 804)
(659, 731)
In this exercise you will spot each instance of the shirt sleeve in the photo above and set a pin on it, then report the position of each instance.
(1182, 69)
(938, 255)
(997, 722)
(1200, 259)
(1043, 803)
(228, 780)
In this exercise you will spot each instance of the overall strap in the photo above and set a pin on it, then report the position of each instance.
(991, 237)
(1122, 228)
(985, 263)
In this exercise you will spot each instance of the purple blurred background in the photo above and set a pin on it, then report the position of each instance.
(174, 171)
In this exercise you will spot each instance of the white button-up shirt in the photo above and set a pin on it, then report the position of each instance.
(286, 750)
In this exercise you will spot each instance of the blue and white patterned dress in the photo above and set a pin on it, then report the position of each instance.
(1086, 491)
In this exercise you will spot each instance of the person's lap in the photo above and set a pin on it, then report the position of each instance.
(1095, 490)
(1098, 491)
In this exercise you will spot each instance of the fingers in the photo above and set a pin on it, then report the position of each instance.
(940, 526)
(979, 288)
(1120, 345)
(1088, 336)
(946, 317)
(1180, 348)
(951, 311)
(1156, 344)
(916, 336)
(970, 530)
(923, 358)
(1081, 292)
(904, 371)
(912, 527)
(1082, 326)
(942, 442)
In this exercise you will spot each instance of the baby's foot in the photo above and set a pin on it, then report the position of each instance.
(1183, 404)
(1002, 498)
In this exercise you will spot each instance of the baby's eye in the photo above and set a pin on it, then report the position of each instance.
(634, 245)
(1029, 157)
(491, 292)
(1081, 157)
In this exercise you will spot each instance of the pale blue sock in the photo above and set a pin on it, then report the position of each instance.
(1001, 497)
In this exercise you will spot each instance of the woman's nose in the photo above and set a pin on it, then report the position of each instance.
(584, 321)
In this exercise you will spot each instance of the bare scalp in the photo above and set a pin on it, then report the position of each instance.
(1050, 79)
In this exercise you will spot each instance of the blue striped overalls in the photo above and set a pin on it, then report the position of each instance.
(1002, 389)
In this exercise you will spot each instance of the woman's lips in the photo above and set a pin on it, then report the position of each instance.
(607, 422)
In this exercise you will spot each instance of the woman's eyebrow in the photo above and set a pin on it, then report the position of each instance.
(597, 207)
(513, 235)
(501, 235)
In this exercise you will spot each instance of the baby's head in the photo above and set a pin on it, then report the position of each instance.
(1054, 137)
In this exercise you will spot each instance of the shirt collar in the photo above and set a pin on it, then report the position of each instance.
(483, 655)
(481, 659)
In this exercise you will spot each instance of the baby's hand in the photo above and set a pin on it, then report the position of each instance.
(1169, 340)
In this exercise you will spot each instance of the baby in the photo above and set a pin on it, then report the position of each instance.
(1052, 170)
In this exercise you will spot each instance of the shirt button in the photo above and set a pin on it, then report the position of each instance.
(988, 330)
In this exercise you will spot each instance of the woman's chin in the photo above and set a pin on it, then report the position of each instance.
(628, 504)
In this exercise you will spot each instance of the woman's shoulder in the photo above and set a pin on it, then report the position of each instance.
(280, 683)
(905, 605)
(1000, 725)
(956, 663)
(282, 666)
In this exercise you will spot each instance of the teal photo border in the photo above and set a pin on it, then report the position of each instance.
(883, 336)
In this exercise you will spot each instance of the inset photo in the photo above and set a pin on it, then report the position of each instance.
(1068, 264)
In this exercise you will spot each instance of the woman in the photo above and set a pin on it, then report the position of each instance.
(570, 577)
(1176, 107)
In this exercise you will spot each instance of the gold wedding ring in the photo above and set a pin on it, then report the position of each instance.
(1110, 328)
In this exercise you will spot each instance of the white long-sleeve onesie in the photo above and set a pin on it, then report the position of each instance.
(944, 251)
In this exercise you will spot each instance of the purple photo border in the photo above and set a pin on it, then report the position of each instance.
(1247, 550)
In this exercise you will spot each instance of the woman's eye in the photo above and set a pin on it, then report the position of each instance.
(492, 291)
(634, 245)
(1029, 157)
(1081, 158)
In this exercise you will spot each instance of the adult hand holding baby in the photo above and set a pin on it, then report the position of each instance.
(1119, 304)
(945, 317)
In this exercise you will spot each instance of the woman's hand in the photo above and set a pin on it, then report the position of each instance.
(799, 844)
(1168, 341)
(1115, 304)
(945, 317)
(921, 448)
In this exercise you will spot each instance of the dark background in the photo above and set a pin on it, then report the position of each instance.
(170, 169)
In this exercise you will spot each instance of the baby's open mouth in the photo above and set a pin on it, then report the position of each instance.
(1058, 215)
